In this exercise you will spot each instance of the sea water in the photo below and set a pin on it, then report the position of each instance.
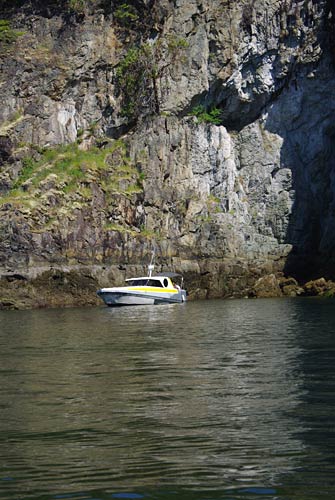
(206, 400)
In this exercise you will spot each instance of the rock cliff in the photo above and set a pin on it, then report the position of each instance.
(202, 128)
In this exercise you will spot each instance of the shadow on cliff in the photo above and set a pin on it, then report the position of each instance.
(303, 116)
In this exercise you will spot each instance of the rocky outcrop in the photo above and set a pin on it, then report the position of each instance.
(279, 286)
(320, 287)
(202, 130)
(50, 289)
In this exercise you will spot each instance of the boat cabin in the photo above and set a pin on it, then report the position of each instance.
(155, 281)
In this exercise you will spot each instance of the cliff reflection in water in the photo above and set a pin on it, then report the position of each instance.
(203, 396)
(230, 393)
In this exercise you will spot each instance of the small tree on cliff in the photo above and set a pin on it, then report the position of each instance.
(140, 74)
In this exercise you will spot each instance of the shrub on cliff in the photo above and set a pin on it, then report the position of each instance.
(7, 34)
(202, 115)
(140, 73)
(125, 14)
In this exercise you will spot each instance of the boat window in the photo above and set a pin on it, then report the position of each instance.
(145, 282)
(137, 282)
(165, 282)
(155, 283)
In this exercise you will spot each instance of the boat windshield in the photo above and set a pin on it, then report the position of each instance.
(145, 282)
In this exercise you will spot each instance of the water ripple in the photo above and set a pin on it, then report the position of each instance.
(208, 401)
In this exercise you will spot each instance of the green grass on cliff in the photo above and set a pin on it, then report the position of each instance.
(69, 163)
(57, 184)
(7, 34)
(72, 165)
(71, 170)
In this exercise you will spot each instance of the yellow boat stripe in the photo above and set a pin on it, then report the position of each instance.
(151, 289)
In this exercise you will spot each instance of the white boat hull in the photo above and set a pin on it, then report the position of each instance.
(117, 297)
(145, 290)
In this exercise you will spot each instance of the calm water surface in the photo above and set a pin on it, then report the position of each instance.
(207, 400)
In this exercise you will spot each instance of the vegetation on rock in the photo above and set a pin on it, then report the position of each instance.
(8, 35)
(203, 116)
(62, 180)
(140, 72)
(77, 5)
(126, 14)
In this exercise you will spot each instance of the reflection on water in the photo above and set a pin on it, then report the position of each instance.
(207, 400)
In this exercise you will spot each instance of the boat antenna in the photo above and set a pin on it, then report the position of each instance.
(151, 266)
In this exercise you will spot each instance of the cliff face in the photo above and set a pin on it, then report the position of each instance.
(203, 129)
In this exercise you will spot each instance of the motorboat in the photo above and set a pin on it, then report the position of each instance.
(162, 288)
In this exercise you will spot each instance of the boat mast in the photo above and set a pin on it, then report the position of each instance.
(151, 266)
